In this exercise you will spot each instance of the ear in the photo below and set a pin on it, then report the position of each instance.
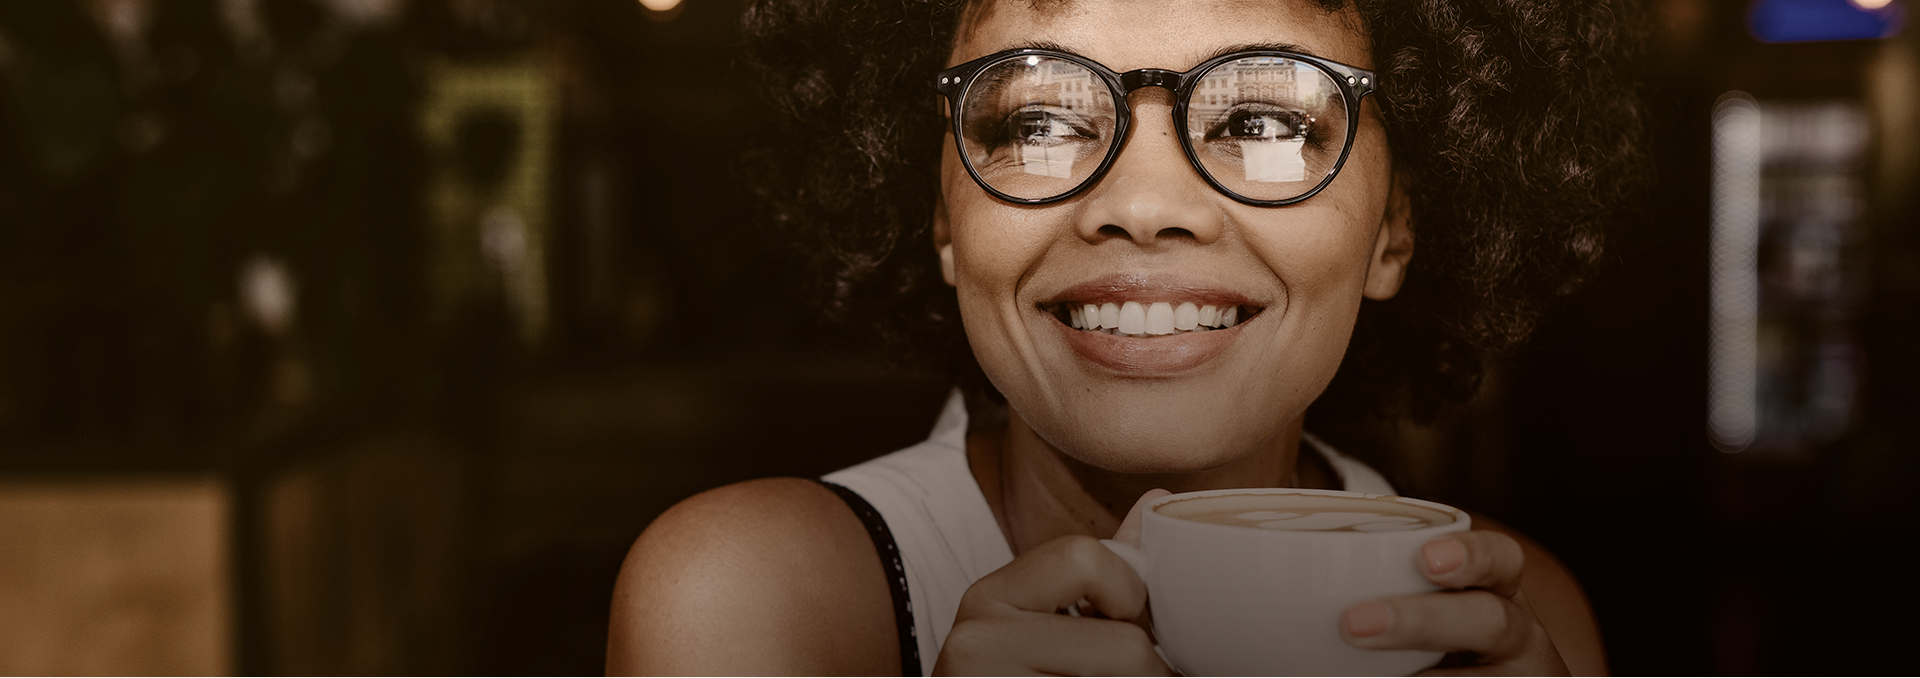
(1393, 247)
(943, 239)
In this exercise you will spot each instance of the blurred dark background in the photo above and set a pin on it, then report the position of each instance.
(364, 336)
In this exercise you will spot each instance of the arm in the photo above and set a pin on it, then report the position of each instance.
(764, 577)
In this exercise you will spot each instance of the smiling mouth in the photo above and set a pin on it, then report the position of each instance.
(1151, 319)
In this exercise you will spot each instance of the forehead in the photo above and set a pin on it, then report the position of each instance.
(1174, 34)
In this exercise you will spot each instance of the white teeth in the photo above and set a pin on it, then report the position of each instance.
(1133, 318)
(1160, 318)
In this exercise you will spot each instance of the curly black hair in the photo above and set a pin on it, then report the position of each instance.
(1515, 122)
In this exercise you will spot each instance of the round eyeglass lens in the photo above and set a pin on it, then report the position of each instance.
(1267, 128)
(1037, 127)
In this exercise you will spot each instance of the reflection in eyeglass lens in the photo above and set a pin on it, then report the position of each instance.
(1268, 127)
(1036, 126)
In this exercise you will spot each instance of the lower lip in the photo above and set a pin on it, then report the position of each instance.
(1163, 354)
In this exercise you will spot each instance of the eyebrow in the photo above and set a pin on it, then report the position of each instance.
(1230, 49)
(1264, 47)
(1041, 44)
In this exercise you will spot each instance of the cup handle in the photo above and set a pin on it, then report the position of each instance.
(1133, 556)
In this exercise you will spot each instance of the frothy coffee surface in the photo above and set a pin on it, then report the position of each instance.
(1306, 512)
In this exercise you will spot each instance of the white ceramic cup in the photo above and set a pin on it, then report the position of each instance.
(1232, 600)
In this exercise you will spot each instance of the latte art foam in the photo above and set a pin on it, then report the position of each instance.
(1307, 512)
(1331, 520)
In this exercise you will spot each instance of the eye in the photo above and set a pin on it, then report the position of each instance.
(1265, 124)
(1044, 127)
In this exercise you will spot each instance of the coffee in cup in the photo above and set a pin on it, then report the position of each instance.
(1254, 581)
(1310, 512)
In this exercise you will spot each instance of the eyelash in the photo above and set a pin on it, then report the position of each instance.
(1292, 117)
(1005, 133)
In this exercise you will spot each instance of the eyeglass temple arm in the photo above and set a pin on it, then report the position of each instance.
(1361, 80)
(948, 83)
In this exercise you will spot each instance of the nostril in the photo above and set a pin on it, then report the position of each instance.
(1174, 232)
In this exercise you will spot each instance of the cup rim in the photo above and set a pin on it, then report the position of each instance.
(1461, 519)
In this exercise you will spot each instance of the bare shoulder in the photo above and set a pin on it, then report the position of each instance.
(770, 576)
(1557, 601)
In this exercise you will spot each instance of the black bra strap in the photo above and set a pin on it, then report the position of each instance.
(896, 575)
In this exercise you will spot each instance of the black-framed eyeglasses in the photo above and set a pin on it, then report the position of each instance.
(1264, 127)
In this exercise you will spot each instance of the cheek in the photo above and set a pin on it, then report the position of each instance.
(991, 261)
(1323, 252)
(1349, 228)
(994, 245)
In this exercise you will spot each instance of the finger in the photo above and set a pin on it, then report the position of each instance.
(1482, 622)
(1060, 646)
(1056, 574)
(1129, 532)
(1478, 559)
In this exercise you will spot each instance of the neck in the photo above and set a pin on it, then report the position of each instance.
(1038, 493)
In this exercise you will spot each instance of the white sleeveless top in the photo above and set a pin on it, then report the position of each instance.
(947, 536)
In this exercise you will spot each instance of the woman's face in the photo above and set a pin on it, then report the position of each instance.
(1153, 231)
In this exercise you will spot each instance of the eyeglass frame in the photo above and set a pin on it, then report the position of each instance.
(1354, 82)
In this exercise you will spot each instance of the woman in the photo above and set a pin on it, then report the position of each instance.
(1165, 228)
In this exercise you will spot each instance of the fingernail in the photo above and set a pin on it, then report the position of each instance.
(1370, 618)
(1444, 555)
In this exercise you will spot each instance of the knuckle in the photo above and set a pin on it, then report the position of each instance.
(1505, 630)
(969, 602)
(1413, 620)
(1081, 552)
(1501, 546)
(1083, 560)
(978, 600)
(1492, 557)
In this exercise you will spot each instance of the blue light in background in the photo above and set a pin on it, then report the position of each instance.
(1811, 20)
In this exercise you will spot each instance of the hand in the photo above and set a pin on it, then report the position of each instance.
(1009, 622)
(1482, 618)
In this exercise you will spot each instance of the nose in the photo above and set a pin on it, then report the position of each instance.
(1151, 195)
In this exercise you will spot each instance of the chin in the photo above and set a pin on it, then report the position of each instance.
(1155, 435)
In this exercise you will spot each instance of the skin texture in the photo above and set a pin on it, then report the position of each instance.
(765, 577)
(778, 577)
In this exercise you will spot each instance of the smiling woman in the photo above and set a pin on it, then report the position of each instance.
(1151, 252)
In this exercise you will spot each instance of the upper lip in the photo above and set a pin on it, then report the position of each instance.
(1144, 287)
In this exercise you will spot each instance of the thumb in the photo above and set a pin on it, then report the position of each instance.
(1129, 532)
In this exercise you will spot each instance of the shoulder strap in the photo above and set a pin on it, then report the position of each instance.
(896, 575)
